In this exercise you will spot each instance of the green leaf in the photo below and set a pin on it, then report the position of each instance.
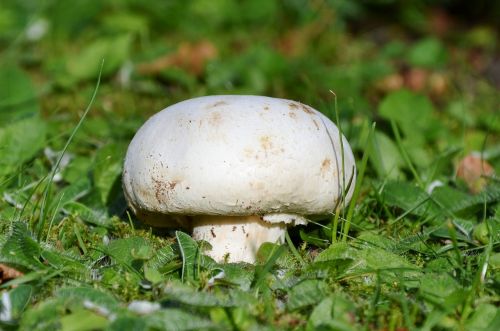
(190, 253)
(322, 315)
(18, 97)
(381, 259)
(41, 317)
(70, 193)
(83, 320)
(77, 169)
(385, 157)
(177, 320)
(19, 142)
(428, 53)
(128, 323)
(92, 216)
(161, 257)
(97, 297)
(306, 293)
(483, 316)
(332, 313)
(414, 113)
(370, 259)
(180, 293)
(465, 204)
(337, 251)
(408, 197)
(86, 64)
(60, 260)
(238, 275)
(108, 169)
(436, 287)
(130, 251)
(20, 297)
(50, 314)
(21, 248)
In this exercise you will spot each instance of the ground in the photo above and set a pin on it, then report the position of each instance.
(413, 86)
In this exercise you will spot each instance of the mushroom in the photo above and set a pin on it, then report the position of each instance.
(237, 170)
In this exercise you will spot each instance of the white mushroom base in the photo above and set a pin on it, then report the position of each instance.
(236, 238)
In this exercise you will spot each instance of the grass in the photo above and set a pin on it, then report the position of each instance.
(400, 256)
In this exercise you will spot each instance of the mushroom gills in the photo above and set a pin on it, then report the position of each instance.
(236, 238)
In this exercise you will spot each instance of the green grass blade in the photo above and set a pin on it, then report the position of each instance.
(404, 154)
(46, 192)
(357, 187)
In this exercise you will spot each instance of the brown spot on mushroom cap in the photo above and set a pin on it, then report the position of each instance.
(266, 143)
(292, 115)
(325, 166)
(298, 105)
(306, 109)
(163, 189)
(214, 118)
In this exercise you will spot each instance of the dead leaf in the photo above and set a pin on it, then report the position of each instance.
(191, 57)
(473, 170)
(7, 273)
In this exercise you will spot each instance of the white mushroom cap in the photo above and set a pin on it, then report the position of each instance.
(237, 156)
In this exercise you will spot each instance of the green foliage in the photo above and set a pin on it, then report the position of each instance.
(19, 143)
(18, 97)
(429, 53)
(20, 248)
(85, 65)
(130, 251)
(414, 113)
(107, 170)
(306, 293)
(420, 252)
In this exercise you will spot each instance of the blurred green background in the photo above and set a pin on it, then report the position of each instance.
(427, 72)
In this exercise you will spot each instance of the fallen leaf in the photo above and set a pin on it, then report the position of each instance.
(7, 273)
(191, 57)
(473, 170)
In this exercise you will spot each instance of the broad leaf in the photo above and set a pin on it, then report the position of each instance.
(108, 169)
(18, 97)
(190, 254)
(130, 251)
(178, 320)
(306, 293)
(21, 248)
(19, 142)
(414, 113)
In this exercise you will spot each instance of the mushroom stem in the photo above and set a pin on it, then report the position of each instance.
(236, 238)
